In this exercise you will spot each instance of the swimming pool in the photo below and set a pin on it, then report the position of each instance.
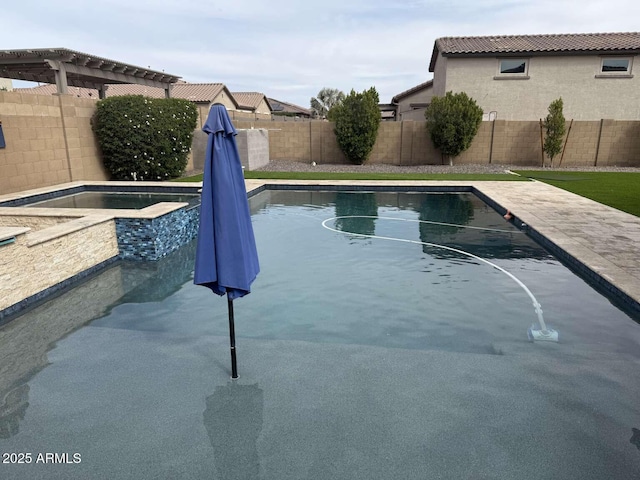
(359, 357)
(116, 200)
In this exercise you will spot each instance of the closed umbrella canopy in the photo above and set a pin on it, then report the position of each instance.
(226, 254)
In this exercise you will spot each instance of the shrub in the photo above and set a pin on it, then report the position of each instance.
(554, 125)
(357, 119)
(453, 121)
(144, 138)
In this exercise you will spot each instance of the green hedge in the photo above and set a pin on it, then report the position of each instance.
(357, 119)
(144, 138)
(452, 122)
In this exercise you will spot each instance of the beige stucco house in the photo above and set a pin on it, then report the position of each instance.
(283, 109)
(411, 104)
(253, 102)
(516, 77)
(6, 84)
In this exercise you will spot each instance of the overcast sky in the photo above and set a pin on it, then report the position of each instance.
(288, 49)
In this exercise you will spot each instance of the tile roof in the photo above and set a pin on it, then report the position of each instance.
(50, 89)
(625, 42)
(280, 106)
(417, 88)
(249, 100)
(196, 92)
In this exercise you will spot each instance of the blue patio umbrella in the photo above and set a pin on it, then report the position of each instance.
(226, 255)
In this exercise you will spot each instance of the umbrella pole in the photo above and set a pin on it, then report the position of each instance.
(232, 338)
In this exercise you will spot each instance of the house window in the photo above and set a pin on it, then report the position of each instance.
(511, 66)
(616, 65)
(512, 69)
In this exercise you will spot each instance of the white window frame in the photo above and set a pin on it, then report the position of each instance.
(626, 72)
(512, 76)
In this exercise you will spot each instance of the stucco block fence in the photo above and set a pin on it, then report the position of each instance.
(49, 141)
(587, 143)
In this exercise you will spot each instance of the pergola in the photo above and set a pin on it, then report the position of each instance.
(64, 67)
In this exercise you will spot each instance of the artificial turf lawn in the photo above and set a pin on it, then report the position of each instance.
(619, 190)
(368, 176)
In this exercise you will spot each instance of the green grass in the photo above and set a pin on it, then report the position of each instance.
(369, 176)
(619, 190)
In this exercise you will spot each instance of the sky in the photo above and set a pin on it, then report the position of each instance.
(291, 49)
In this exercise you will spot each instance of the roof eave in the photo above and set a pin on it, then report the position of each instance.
(411, 91)
(543, 53)
(434, 56)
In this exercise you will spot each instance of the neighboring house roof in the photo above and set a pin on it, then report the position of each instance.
(50, 89)
(250, 100)
(280, 106)
(411, 91)
(555, 44)
(196, 92)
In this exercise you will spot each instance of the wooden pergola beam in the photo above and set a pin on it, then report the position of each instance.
(70, 68)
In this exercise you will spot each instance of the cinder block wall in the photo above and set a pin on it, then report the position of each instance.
(619, 144)
(82, 147)
(35, 153)
(48, 141)
(480, 149)
(388, 143)
(581, 144)
(329, 149)
(515, 143)
(500, 142)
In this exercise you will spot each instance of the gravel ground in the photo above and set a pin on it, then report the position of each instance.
(284, 166)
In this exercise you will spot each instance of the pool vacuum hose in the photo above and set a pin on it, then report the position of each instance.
(543, 333)
(534, 334)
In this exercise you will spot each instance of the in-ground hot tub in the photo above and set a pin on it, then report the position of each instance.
(152, 219)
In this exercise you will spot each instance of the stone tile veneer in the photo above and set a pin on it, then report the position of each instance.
(35, 262)
(35, 223)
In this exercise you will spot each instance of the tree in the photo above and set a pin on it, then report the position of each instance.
(554, 125)
(357, 120)
(453, 121)
(326, 100)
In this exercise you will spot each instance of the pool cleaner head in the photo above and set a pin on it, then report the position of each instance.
(540, 335)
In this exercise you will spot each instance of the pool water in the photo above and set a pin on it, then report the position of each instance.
(115, 200)
(360, 357)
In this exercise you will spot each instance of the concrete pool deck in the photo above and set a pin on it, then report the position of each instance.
(584, 233)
